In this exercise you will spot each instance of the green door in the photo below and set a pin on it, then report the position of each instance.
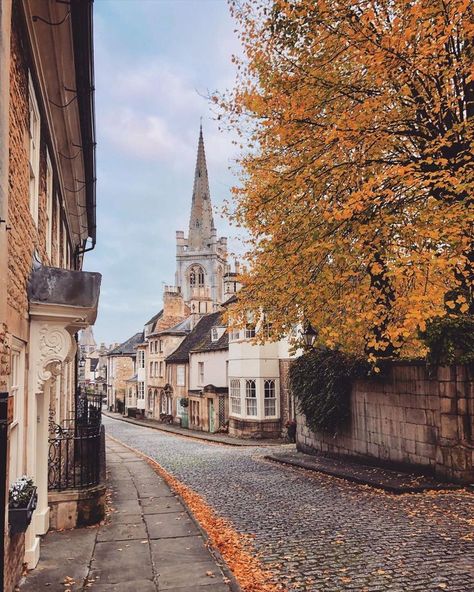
(184, 417)
(211, 416)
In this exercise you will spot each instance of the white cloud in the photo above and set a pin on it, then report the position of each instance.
(142, 135)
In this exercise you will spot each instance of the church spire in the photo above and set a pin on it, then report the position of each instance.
(201, 222)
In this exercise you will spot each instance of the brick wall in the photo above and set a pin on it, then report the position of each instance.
(408, 418)
(14, 553)
(24, 237)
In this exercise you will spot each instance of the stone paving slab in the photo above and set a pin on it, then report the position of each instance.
(164, 506)
(199, 573)
(122, 532)
(121, 561)
(137, 585)
(167, 526)
(126, 552)
(63, 554)
(206, 588)
(378, 477)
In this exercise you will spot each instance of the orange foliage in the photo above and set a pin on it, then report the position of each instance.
(357, 186)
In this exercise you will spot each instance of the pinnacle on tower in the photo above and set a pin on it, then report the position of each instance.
(201, 222)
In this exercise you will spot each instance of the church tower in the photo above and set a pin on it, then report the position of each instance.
(201, 256)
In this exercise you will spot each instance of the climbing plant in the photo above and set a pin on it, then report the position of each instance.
(449, 340)
(321, 382)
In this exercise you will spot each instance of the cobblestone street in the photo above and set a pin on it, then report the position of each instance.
(319, 533)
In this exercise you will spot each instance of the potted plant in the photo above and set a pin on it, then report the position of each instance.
(22, 501)
(184, 402)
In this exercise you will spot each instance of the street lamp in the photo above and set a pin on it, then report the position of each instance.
(309, 335)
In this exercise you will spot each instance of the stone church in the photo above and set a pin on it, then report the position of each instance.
(201, 256)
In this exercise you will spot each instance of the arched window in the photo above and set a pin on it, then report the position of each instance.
(269, 398)
(251, 397)
(196, 277)
(200, 277)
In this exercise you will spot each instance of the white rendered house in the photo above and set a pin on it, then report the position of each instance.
(259, 401)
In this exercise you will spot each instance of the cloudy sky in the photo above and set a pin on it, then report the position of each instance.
(155, 61)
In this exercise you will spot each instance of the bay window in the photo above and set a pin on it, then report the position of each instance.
(269, 398)
(251, 397)
(235, 405)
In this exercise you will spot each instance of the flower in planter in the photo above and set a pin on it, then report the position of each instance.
(20, 492)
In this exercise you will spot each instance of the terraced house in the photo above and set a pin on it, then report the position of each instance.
(47, 224)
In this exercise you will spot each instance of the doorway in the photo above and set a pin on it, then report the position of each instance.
(211, 416)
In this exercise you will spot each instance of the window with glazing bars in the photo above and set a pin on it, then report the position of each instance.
(269, 398)
(251, 397)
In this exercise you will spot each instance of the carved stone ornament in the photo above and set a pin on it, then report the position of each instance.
(54, 348)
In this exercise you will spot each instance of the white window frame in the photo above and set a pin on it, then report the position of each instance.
(49, 207)
(141, 358)
(200, 373)
(17, 427)
(235, 396)
(249, 332)
(180, 375)
(270, 402)
(234, 335)
(251, 400)
(141, 390)
(34, 150)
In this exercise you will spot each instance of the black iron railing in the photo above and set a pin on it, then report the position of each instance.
(76, 448)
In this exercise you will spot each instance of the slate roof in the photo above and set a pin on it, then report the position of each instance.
(178, 329)
(150, 325)
(208, 345)
(127, 348)
(94, 362)
(194, 340)
(230, 300)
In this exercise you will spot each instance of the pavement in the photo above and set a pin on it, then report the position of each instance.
(381, 478)
(188, 433)
(318, 533)
(148, 542)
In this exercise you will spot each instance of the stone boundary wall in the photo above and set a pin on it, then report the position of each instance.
(407, 418)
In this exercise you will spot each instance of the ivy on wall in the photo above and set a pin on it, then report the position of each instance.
(321, 382)
(450, 340)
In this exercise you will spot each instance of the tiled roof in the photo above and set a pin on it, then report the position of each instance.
(127, 348)
(195, 338)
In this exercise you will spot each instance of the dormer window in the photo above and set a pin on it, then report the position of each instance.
(217, 333)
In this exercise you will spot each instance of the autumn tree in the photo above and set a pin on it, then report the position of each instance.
(357, 174)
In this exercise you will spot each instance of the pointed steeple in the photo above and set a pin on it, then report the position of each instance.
(201, 222)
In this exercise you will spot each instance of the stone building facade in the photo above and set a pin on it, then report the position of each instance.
(121, 367)
(47, 222)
